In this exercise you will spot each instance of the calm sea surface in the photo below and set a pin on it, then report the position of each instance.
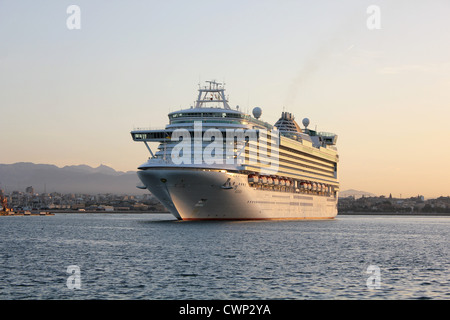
(153, 256)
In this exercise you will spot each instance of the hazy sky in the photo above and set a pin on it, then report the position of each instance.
(73, 96)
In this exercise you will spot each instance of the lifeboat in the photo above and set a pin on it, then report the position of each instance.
(282, 182)
(263, 179)
(269, 180)
(253, 178)
(276, 181)
(314, 186)
(288, 183)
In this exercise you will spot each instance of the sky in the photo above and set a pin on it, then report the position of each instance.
(72, 87)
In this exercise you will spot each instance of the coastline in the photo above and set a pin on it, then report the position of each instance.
(52, 212)
(112, 212)
(423, 214)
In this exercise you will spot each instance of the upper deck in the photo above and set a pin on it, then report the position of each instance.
(212, 111)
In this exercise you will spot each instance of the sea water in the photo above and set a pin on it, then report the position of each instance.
(153, 256)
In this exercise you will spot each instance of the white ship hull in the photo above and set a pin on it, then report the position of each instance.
(220, 195)
(218, 163)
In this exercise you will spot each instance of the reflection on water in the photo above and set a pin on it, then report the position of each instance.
(154, 256)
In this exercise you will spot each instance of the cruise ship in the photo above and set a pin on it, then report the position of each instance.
(215, 162)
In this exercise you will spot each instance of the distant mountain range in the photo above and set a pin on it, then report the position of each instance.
(83, 179)
(355, 193)
(69, 179)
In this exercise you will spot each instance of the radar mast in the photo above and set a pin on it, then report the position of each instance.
(212, 93)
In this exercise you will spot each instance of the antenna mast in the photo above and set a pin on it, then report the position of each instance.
(215, 92)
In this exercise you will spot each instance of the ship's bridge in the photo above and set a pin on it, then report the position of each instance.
(211, 114)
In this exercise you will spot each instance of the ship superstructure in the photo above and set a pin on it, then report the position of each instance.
(216, 162)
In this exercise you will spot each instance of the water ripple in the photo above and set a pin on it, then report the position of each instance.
(156, 257)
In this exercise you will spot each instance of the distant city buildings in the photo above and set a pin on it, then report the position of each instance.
(394, 205)
(29, 200)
